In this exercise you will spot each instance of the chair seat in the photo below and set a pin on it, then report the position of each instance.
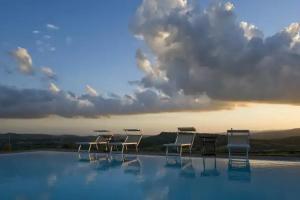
(82, 143)
(238, 146)
(122, 143)
(176, 145)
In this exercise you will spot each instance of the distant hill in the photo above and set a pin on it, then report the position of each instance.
(276, 134)
(42, 141)
(283, 143)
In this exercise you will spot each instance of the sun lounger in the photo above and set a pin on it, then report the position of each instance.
(185, 138)
(130, 140)
(102, 139)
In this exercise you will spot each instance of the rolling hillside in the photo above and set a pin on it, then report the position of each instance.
(265, 143)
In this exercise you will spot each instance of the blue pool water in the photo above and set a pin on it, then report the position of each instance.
(54, 175)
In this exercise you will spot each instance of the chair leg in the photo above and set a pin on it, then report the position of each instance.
(79, 148)
(215, 149)
(180, 152)
(167, 151)
(123, 149)
(90, 147)
(136, 148)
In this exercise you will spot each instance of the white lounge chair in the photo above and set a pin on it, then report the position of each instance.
(238, 140)
(185, 138)
(102, 139)
(130, 140)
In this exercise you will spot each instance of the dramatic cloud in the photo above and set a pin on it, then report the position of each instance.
(24, 60)
(91, 91)
(143, 63)
(251, 31)
(52, 27)
(53, 88)
(34, 103)
(199, 60)
(48, 72)
(210, 52)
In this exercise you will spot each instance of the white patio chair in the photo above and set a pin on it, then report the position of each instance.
(102, 139)
(238, 140)
(130, 140)
(185, 138)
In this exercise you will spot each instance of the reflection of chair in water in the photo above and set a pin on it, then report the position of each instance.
(210, 168)
(117, 160)
(132, 165)
(103, 163)
(87, 157)
(239, 170)
(185, 165)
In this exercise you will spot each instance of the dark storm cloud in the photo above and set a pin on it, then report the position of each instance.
(210, 52)
(34, 103)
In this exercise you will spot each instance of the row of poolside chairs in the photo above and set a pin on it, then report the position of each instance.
(237, 140)
(118, 146)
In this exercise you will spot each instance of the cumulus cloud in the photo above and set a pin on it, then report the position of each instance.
(91, 91)
(48, 72)
(53, 88)
(143, 63)
(251, 31)
(208, 51)
(52, 27)
(202, 59)
(35, 103)
(24, 60)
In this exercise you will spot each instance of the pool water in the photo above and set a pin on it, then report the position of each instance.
(55, 175)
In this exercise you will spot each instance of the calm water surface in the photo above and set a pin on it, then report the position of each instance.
(54, 175)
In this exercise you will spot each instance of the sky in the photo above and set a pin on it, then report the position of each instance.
(74, 67)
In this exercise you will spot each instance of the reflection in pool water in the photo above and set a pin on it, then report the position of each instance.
(185, 164)
(239, 170)
(210, 167)
(53, 175)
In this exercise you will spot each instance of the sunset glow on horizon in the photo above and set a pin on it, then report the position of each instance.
(256, 117)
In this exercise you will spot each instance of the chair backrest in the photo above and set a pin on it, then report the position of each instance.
(186, 135)
(133, 138)
(101, 138)
(238, 137)
(185, 138)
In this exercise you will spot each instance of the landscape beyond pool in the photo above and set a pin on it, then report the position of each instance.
(62, 175)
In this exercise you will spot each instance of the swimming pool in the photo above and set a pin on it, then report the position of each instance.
(55, 175)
